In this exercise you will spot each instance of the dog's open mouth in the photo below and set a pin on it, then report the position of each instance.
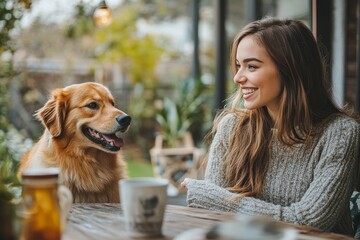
(108, 141)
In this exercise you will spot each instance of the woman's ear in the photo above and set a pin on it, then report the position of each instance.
(52, 115)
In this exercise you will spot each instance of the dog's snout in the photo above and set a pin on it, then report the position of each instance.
(123, 120)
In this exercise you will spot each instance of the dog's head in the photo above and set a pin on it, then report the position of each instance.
(85, 115)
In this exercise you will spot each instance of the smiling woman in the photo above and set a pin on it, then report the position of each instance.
(289, 128)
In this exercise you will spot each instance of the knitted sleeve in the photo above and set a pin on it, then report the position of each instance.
(324, 200)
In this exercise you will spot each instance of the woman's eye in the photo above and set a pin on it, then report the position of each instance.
(93, 105)
(251, 67)
(237, 66)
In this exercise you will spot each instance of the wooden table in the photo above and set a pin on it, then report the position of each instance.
(106, 221)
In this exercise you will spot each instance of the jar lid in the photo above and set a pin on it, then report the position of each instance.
(40, 173)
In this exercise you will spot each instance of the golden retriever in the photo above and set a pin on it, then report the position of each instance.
(82, 137)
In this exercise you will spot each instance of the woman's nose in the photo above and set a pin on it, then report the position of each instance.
(239, 78)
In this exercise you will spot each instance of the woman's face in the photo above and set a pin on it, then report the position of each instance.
(257, 76)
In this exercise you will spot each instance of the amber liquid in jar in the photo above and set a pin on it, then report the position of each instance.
(41, 205)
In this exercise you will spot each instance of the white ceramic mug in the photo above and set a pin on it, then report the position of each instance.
(143, 202)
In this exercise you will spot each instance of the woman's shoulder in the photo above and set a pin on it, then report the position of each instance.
(341, 119)
(341, 122)
(226, 122)
(229, 118)
(225, 125)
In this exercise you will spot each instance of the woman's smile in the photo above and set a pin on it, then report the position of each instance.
(248, 92)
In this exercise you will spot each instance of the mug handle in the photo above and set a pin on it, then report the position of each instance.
(66, 200)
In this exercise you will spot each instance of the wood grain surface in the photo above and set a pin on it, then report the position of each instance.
(105, 221)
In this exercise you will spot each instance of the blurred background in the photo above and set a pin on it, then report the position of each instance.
(165, 62)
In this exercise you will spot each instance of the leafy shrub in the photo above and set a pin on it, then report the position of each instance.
(183, 111)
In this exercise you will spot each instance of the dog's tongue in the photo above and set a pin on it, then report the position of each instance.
(118, 142)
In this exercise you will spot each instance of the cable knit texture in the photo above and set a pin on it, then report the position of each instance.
(308, 185)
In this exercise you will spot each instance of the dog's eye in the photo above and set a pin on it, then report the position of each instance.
(93, 105)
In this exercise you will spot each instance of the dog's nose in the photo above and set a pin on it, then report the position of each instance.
(123, 120)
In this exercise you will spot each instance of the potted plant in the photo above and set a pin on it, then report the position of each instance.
(180, 113)
(174, 155)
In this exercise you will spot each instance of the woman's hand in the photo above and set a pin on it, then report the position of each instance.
(185, 182)
(204, 194)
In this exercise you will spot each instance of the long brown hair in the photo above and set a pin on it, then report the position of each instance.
(305, 100)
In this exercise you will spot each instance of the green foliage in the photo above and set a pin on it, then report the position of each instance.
(10, 13)
(9, 183)
(10, 192)
(120, 42)
(142, 110)
(137, 56)
(183, 111)
(83, 24)
(5, 71)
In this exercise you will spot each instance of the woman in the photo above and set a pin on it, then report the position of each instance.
(289, 152)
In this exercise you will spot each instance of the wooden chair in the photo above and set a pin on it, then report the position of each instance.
(177, 163)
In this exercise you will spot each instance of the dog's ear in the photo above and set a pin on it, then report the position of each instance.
(52, 115)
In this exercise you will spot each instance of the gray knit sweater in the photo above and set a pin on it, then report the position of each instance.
(308, 186)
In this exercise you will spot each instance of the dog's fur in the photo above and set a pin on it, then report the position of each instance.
(91, 169)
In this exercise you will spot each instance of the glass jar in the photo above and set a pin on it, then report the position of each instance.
(41, 204)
